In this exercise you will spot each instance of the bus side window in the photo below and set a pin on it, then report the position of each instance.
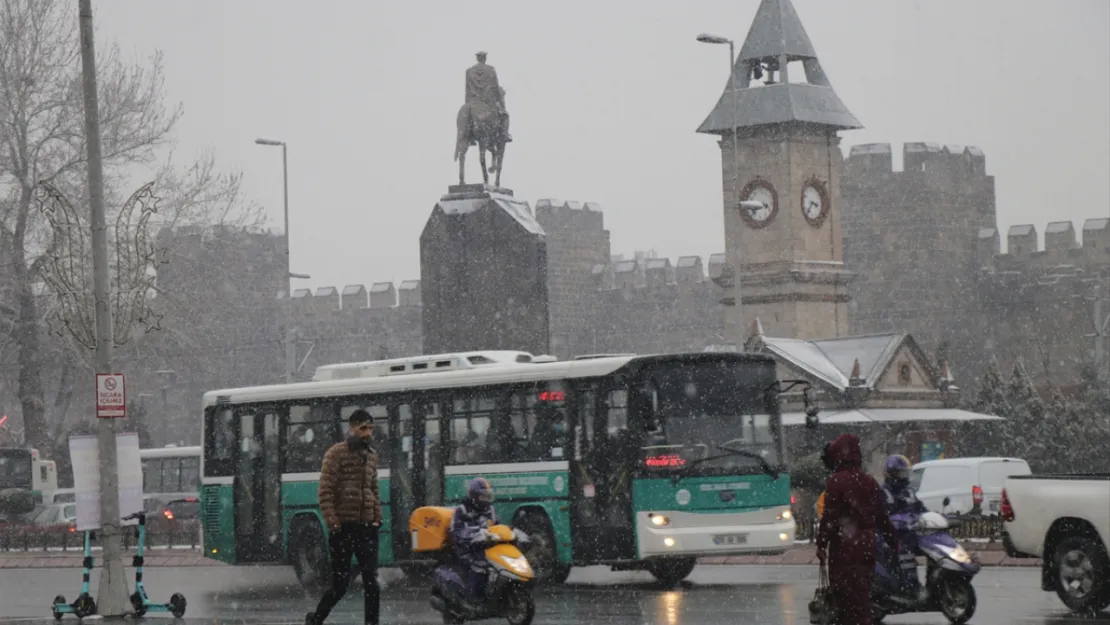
(190, 475)
(309, 432)
(152, 475)
(470, 424)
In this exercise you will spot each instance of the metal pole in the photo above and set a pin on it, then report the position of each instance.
(285, 184)
(112, 597)
(736, 177)
(165, 414)
(290, 344)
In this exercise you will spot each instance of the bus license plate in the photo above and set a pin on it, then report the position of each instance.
(730, 539)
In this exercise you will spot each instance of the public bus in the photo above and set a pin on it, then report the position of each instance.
(22, 468)
(635, 462)
(171, 472)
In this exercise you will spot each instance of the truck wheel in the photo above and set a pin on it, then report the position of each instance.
(671, 571)
(541, 551)
(1082, 575)
(310, 557)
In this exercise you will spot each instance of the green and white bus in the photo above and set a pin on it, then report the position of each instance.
(636, 462)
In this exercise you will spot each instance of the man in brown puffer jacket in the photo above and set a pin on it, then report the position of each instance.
(353, 512)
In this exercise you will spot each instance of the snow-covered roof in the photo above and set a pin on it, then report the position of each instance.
(832, 360)
(889, 415)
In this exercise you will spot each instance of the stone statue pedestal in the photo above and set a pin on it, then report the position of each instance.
(483, 271)
(459, 191)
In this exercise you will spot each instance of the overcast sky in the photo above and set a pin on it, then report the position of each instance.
(604, 97)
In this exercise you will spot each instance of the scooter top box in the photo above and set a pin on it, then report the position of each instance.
(429, 527)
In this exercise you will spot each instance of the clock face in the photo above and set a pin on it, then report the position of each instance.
(763, 194)
(814, 203)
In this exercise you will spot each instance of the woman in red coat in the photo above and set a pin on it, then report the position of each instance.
(854, 511)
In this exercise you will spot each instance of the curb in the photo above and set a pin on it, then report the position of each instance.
(803, 555)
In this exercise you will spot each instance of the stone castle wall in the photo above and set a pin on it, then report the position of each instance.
(924, 245)
(922, 241)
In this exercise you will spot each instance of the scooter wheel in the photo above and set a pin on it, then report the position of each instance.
(59, 600)
(84, 606)
(137, 604)
(177, 605)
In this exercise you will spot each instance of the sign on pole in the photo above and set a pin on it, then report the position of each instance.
(84, 454)
(111, 397)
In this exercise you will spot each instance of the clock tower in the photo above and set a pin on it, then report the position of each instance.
(778, 120)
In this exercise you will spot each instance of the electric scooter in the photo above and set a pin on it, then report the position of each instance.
(140, 602)
(83, 605)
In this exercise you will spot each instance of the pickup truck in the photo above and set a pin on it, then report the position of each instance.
(1064, 520)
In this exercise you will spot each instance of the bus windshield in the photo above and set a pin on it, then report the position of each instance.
(711, 418)
(15, 469)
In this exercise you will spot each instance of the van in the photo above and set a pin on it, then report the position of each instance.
(973, 485)
(62, 495)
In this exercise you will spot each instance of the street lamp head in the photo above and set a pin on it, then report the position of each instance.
(265, 141)
(707, 38)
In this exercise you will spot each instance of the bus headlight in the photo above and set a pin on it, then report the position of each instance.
(784, 537)
(658, 520)
(668, 541)
(785, 515)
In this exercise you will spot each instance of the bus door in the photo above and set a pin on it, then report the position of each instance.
(601, 480)
(416, 473)
(258, 485)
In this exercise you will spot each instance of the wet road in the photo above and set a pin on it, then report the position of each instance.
(756, 595)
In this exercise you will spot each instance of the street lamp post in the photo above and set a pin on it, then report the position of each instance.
(113, 586)
(168, 377)
(741, 205)
(289, 339)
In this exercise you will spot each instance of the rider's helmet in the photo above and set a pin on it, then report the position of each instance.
(479, 493)
(897, 470)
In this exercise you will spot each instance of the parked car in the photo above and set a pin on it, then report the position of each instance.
(972, 485)
(186, 509)
(62, 495)
(56, 515)
(1065, 521)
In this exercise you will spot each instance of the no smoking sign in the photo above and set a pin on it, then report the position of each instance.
(111, 396)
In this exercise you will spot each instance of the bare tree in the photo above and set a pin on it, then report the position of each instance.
(42, 139)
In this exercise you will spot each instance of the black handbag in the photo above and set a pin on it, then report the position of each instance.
(822, 609)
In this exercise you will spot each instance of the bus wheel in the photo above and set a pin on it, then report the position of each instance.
(310, 557)
(671, 571)
(541, 551)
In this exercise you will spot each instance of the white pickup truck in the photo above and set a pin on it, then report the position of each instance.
(1065, 521)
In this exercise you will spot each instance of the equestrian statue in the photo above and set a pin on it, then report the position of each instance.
(483, 121)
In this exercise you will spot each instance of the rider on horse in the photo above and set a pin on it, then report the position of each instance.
(482, 86)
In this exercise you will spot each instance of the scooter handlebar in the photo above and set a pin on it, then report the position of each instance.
(135, 515)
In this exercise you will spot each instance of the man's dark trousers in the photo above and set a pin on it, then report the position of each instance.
(361, 541)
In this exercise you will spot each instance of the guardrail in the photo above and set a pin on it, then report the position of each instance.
(172, 535)
(971, 527)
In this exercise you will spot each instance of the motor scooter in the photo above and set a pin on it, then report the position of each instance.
(508, 589)
(949, 570)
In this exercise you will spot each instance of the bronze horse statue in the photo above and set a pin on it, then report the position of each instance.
(478, 123)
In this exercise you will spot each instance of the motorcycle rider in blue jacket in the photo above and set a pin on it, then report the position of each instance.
(468, 536)
(901, 499)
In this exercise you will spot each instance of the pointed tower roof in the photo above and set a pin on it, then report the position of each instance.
(776, 38)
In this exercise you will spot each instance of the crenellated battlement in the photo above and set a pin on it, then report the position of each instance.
(918, 158)
(357, 297)
(648, 272)
(560, 214)
(1066, 252)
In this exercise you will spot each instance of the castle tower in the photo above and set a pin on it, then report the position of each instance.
(780, 148)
